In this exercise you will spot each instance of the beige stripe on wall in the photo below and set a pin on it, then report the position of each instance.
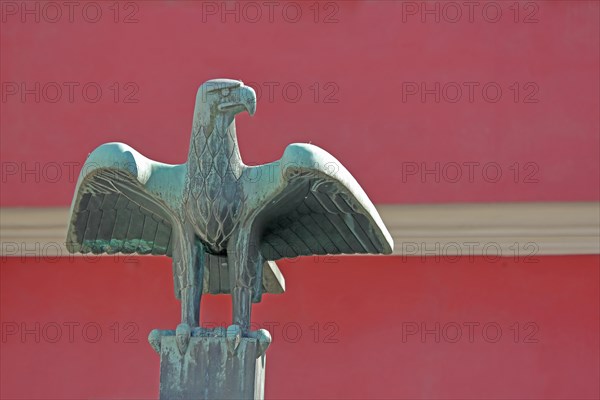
(492, 229)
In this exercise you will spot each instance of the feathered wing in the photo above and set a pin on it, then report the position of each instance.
(317, 207)
(124, 202)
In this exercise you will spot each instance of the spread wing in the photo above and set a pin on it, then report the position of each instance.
(319, 208)
(124, 202)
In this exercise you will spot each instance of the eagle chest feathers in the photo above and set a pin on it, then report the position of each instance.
(215, 193)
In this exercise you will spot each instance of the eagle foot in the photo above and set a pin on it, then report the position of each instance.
(182, 334)
(233, 336)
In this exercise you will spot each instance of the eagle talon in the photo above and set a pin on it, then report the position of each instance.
(264, 340)
(182, 337)
(233, 337)
(155, 338)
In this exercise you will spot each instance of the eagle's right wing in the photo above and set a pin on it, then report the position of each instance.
(124, 202)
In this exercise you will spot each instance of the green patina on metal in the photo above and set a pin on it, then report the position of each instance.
(224, 223)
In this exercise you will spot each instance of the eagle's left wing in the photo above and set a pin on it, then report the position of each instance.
(317, 207)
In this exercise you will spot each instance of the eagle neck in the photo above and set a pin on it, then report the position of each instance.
(214, 150)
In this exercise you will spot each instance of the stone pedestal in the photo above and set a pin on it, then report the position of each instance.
(208, 371)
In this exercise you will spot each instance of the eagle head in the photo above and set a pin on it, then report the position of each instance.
(226, 96)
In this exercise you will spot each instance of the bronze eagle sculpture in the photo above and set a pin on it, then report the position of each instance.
(222, 222)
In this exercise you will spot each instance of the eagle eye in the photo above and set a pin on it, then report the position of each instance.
(225, 92)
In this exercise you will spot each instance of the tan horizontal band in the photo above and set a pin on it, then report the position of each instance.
(490, 229)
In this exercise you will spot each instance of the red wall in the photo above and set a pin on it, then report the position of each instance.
(369, 301)
(384, 135)
(370, 55)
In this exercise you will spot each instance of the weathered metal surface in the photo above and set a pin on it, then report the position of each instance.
(208, 371)
(218, 218)
(222, 222)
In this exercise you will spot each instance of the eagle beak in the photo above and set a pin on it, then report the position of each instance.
(248, 99)
(245, 99)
